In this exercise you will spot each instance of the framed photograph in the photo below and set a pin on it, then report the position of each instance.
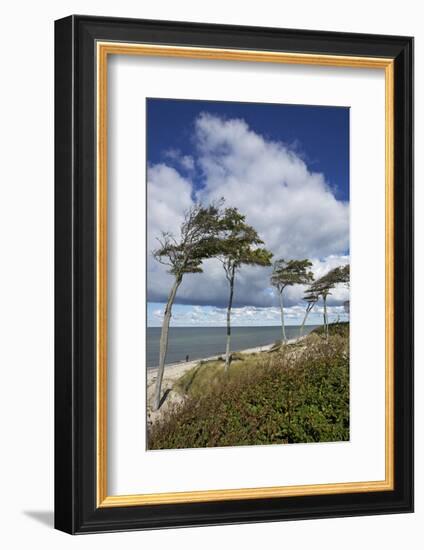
(233, 265)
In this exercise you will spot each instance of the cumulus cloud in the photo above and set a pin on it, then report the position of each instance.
(293, 209)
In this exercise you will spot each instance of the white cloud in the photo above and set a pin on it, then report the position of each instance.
(168, 196)
(187, 162)
(197, 316)
(184, 161)
(293, 209)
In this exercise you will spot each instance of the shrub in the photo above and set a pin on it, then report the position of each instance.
(295, 395)
(334, 328)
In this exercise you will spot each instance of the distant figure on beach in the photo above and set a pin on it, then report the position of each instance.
(187, 358)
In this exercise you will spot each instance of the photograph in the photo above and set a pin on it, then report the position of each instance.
(248, 274)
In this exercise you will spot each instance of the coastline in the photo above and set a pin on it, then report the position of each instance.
(295, 393)
(178, 369)
(174, 371)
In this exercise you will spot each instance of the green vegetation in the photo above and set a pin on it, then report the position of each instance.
(297, 393)
(341, 329)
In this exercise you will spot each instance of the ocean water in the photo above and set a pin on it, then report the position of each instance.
(202, 342)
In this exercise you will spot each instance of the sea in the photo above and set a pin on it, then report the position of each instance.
(202, 342)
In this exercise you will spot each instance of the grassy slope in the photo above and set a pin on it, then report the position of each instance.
(298, 393)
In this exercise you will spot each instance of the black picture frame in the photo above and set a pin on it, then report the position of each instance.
(76, 510)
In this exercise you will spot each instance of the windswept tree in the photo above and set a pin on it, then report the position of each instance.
(288, 273)
(238, 246)
(311, 298)
(323, 287)
(197, 241)
(342, 274)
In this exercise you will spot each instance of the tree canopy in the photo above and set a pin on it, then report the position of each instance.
(239, 243)
(325, 284)
(291, 272)
(198, 240)
(337, 275)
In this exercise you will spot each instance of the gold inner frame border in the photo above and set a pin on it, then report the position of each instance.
(103, 50)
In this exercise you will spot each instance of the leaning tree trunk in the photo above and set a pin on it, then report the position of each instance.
(302, 327)
(325, 318)
(230, 304)
(163, 346)
(283, 328)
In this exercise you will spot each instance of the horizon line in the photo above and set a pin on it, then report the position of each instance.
(235, 326)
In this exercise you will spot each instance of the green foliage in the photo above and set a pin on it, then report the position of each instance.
(210, 231)
(294, 395)
(342, 329)
(311, 297)
(343, 274)
(239, 243)
(327, 282)
(291, 272)
(197, 241)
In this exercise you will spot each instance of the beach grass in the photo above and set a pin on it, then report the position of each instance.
(296, 393)
(209, 375)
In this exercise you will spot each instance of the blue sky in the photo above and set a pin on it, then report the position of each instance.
(320, 135)
(285, 166)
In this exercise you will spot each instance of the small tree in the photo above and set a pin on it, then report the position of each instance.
(323, 286)
(289, 273)
(238, 246)
(196, 242)
(311, 298)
